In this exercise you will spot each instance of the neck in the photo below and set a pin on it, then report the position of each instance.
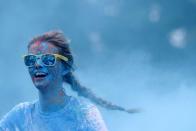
(54, 100)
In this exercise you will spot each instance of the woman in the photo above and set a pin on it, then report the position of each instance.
(50, 64)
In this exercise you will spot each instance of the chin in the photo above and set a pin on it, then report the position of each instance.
(41, 85)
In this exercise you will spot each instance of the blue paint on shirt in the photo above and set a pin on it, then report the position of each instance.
(77, 115)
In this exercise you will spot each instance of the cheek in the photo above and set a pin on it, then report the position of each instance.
(55, 72)
(30, 69)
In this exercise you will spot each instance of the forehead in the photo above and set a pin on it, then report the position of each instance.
(40, 47)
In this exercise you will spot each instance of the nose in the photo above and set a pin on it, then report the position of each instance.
(38, 63)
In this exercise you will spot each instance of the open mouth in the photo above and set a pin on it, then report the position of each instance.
(40, 75)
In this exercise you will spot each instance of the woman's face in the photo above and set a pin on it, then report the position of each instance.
(45, 77)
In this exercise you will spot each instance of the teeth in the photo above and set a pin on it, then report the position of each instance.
(40, 73)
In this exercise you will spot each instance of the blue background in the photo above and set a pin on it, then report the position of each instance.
(135, 53)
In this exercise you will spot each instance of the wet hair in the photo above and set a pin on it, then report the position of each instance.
(57, 38)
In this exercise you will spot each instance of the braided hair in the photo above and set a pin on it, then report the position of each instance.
(57, 38)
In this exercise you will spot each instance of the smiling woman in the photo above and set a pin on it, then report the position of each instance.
(50, 64)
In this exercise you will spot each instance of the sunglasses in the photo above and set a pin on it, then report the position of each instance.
(47, 59)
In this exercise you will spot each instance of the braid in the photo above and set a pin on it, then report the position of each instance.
(87, 93)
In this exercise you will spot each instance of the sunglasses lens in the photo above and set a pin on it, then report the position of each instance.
(29, 60)
(48, 59)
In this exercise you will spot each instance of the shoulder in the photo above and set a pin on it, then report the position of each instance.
(16, 114)
(81, 105)
(20, 108)
(89, 116)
